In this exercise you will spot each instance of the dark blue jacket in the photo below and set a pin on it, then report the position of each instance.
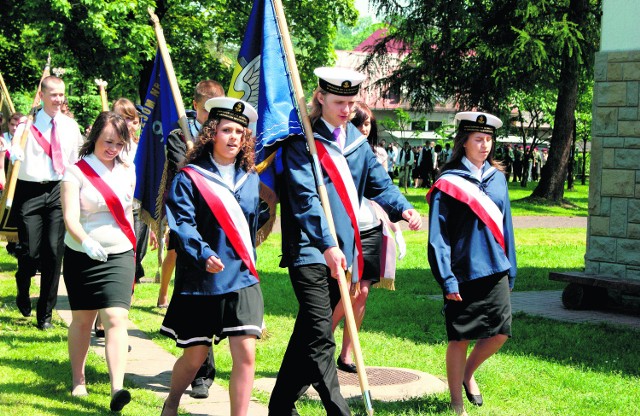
(199, 235)
(305, 231)
(461, 246)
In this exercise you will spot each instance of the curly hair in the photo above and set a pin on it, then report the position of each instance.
(204, 146)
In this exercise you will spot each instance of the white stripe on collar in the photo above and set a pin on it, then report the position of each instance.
(215, 177)
(479, 174)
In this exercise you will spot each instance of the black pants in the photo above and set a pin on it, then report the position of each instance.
(41, 236)
(308, 360)
(207, 371)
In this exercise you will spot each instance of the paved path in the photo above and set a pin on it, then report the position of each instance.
(149, 367)
(518, 222)
(548, 304)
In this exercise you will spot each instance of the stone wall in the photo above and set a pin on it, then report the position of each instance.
(613, 231)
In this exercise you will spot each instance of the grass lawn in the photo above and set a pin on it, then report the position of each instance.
(547, 368)
(577, 200)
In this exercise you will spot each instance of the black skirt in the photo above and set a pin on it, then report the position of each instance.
(202, 319)
(92, 284)
(485, 309)
(371, 245)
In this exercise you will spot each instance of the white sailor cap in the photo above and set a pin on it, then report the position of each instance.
(339, 81)
(232, 109)
(470, 121)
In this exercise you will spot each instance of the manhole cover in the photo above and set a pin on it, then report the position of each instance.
(378, 377)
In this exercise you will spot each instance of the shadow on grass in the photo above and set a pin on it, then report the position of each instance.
(48, 385)
(411, 313)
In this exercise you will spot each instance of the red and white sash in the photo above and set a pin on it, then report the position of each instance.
(46, 146)
(227, 211)
(111, 199)
(469, 194)
(335, 165)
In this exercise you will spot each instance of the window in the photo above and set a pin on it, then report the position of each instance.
(434, 125)
(419, 125)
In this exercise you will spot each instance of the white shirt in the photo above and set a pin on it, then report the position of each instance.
(5, 142)
(341, 138)
(367, 218)
(95, 217)
(37, 165)
(475, 172)
(227, 172)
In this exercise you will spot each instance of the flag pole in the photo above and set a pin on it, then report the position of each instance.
(15, 169)
(102, 85)
(324, 199)
(6, 93)
(171, 75)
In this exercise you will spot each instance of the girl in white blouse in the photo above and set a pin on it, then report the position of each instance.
(97, 198)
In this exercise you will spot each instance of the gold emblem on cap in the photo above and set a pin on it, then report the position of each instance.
(238, 107)
(481, 119)
(346, 84)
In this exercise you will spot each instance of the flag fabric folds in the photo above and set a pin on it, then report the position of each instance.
(159, 115)
(262, 78)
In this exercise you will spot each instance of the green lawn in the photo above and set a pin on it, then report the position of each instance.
(547, 368)
(577, 201)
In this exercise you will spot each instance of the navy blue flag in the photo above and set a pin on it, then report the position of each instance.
(262, 78)
(159, 115)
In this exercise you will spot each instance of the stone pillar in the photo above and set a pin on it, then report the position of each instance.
(613, 231)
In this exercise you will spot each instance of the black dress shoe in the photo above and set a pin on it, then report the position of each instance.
(24, 304)
(99, 332)
(199, 389)
(25, 310)
(44, 326)
(474, 399)
(347, 368)
(119, 400)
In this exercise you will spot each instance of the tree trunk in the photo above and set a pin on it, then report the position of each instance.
(551, 185)
(584, 162)
(572, 159)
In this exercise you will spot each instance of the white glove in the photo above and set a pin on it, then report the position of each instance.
(16, 153)
(94, 249)
(402, 246)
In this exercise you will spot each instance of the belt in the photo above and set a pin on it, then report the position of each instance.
(39, 182)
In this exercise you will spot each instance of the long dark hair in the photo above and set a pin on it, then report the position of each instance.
(458, 151)
(361, 113)
(204, 146)
(105, 118)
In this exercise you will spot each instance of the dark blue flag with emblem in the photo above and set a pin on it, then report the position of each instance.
(262, 78)
(158, 116)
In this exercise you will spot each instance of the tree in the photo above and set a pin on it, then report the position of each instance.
(533, 112)
(479, 53)
(576, 57)
(401, 123)
(114, 40)
(349, 37)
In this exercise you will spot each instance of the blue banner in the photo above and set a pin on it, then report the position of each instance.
(159, 115)
(262, 78)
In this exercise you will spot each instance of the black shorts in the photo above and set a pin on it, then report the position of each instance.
(201, 320)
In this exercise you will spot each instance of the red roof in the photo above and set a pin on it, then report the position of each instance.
(368, 44)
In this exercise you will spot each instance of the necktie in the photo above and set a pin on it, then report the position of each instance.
(337, 137)
(56, 151)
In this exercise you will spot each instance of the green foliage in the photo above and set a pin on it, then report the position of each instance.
(114, 41)
(349, 37)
